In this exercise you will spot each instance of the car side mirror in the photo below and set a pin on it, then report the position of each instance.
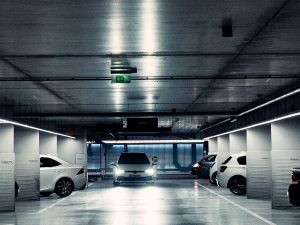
(113, 164)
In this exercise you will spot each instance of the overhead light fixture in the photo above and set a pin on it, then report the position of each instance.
(271, 101)
(194, 141)
(257, 124)
(34, 128)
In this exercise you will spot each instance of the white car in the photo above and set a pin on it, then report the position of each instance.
(59, 176)
(133, 168)
(213, 172)
(232, 173)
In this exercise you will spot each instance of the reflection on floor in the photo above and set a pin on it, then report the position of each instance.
(170, 202)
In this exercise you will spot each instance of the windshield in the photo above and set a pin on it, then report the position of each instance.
(133, 158)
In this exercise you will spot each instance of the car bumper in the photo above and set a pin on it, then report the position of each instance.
(221, 181)
(79, 181)
(133, 179)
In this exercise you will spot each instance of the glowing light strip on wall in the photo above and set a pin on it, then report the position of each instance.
(153, 141)
(258, 124)
(33, 128)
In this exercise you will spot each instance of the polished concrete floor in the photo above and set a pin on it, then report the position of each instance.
(171, 202)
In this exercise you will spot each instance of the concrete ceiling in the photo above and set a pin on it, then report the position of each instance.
(56, 57)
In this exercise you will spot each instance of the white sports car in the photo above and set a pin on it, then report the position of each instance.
(59, 176)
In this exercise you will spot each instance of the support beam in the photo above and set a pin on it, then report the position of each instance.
(27, 163)
(285, 156)
(7, 169)
(223, 149)
(259, 175)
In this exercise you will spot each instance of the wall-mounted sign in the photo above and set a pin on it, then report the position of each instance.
(120, 78)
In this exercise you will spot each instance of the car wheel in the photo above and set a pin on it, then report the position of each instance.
(64, 187)
(294, 194)
(213, 178)
(45, 194)
(237, 185)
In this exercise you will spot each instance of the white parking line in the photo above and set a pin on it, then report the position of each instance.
(56, 203)
(237, 205)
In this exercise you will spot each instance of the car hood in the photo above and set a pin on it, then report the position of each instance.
(134, 167)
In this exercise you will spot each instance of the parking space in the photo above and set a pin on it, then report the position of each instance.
(176, 201)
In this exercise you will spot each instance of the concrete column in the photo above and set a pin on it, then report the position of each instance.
(223, 149)
(48, 144)
(7, 168)
(27, 163)
(213, 145)
(237, 142)
(259, 175)
(72, 150)
(285, 156)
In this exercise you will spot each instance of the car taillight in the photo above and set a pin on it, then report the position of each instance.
(81, 171)
(212, 165)
(223, 168)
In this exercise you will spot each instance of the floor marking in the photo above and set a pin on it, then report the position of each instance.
(54, 204)
(237, 205)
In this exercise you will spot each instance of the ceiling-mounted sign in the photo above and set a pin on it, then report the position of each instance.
(120, 78)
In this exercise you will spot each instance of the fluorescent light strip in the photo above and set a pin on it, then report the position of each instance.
(34, 128)
(271, 101)
(153, 141)
(258, 124)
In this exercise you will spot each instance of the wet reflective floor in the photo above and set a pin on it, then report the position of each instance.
(170, 202)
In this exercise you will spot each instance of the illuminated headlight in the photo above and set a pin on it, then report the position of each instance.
(196, 165)
(150, 171)
(118, 172)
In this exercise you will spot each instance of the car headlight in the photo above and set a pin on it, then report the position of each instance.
(150, 171)
(118, 171)
(196, 165)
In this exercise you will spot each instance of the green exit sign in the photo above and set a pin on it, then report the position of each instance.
(121, 78)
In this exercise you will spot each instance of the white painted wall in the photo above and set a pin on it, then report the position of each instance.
(285, 156)
(259, 175)
(27, 163)
(7, 168)
(237, 142)
(223, 149)
(48, 144)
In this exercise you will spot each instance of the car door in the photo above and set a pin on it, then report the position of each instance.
(49, 170)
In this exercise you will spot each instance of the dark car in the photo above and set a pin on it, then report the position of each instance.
(294, 188)
(201, 168)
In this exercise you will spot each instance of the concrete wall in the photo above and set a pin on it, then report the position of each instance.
(72, 150)
(7, 168)
(27, 163)
(213, 145)
(285, 155)
(237, 142)
(223, 149)
(48, 144)
(259, 173)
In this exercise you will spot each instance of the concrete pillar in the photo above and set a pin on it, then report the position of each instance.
(237, 142)
(27, 163)
(213, 145)
(285, 156)
(223, 149)
(259, 175)
(48, 144)
(72, 150)
(7, 168)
